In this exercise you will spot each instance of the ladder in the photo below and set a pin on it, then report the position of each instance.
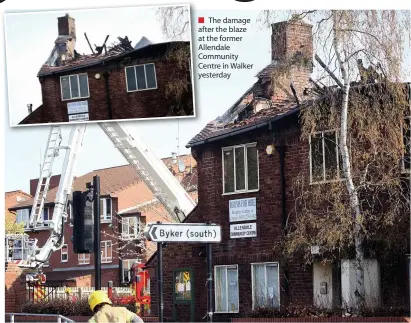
(154, 173)
(52, 150)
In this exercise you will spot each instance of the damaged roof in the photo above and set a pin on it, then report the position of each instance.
(230, 124)
(146, 50)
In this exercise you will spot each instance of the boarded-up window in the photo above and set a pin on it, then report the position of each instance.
(182, 285)
(240, 168)
(226, 289)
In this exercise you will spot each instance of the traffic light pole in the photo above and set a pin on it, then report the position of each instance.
(97, 244)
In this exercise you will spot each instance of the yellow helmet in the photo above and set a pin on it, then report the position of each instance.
(98, 297)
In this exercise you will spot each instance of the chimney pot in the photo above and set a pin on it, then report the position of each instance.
(30, 108)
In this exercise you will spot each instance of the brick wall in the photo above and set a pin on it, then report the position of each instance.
(15, 288)
(124, 105)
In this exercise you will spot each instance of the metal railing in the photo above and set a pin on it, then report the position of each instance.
(59, 318)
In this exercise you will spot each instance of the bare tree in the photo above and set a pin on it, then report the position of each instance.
(174, 21)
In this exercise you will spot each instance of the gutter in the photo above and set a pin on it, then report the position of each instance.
(243, 130)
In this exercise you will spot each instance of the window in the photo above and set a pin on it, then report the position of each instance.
(130, 227)
(182, 285)
(226, 289)
(141, 77)
(240, 168)
(406, 132)
(265, 285)
(83, 258)
(64, 253)
(127, 265)
(74, 86)
(105, 210)
(106, 251)
(325, 159)
(15, 249)
(23, 216)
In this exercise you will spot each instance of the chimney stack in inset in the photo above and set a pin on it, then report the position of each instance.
(67, 26)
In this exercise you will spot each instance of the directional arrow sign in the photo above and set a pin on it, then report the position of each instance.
(183, 232)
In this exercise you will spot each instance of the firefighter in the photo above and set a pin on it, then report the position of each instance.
(100, 304)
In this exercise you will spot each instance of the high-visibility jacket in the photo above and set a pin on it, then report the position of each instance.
(109, 314)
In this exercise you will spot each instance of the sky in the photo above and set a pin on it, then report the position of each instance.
(29, 41)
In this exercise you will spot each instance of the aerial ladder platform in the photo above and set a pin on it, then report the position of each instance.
(155, 174)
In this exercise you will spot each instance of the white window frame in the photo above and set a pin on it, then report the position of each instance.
(23, 221)
(145, 76)
(78, 83)
(265, 269)
(245, 146)
(403, 169)
(339, 170)
(103, 212)
(82, 258)
(63, 253)
(106, 259)
(215, 288)
(128, 236)
(131, 262)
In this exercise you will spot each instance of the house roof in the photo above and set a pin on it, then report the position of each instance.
(229, 124)
(84, 61)
(112, 180)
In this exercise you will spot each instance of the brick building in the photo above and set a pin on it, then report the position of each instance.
(120, 82)
(126, 205)
(11, 199)
(246, 160)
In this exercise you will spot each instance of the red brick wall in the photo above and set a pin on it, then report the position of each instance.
(213, 206)
(54, 182)
(15, 288)
(124, 105)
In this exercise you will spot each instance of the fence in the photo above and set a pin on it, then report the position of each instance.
(73, 293)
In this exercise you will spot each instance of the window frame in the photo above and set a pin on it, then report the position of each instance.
(339, 170)
(78, 83)
(106, 260)
(132, 261)
(63, 253)
(403, 169)
(215, 289)
(265, 277)
(83, 260)
(136, 233)
(245, 190)
(103, 213)
(145, 77)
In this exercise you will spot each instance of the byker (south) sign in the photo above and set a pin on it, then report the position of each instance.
(183, 232)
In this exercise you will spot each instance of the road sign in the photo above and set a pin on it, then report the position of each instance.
(183, 232)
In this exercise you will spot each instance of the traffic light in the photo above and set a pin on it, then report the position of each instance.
(83, 223)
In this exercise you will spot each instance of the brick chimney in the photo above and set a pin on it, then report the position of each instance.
(66, 40)
(291, 51)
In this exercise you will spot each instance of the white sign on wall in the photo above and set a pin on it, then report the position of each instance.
(243, 209)
(79, 117)
(77, 107)
(245, 230)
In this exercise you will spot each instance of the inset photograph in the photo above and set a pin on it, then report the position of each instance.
(98, 65)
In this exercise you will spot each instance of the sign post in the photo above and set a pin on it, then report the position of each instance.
(184, 232)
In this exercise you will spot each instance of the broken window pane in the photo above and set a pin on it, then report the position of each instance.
(239, 169)
(331, 155)
(317, 168)
(131, 79)
(74, 86)
(83, 80)
(151, 76)
(228, 156)
(141, 77)
(252, 168)
(232, 278)
(221, 289)
(65, 88)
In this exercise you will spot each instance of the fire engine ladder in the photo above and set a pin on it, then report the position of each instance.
(52, 150)
(38, 256)
(155, 174)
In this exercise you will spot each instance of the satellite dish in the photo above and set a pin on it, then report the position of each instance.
(181, 166)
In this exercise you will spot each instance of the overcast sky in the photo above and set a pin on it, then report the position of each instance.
(30, 39)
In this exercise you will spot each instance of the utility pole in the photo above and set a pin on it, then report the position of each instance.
(97, 243)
